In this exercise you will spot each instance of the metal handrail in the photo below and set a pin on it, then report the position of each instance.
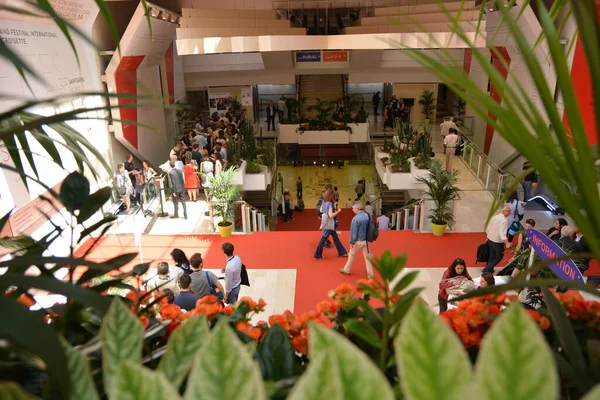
(490, 175)
(416, 217)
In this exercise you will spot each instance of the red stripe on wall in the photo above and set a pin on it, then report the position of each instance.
(582, 83)
(467, 61)
(499, 54)
(125, 78)
(170, 73)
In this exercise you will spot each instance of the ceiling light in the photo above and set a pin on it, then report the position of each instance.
(153, 12)
(164, 16)
(173, 18)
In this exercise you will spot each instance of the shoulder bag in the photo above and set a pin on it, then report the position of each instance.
(213, 288)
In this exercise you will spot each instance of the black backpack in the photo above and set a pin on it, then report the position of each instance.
(372, 230)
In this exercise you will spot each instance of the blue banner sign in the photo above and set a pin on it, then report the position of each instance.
(308, 56)
(547, 250)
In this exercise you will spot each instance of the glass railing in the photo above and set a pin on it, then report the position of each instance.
(489, 174)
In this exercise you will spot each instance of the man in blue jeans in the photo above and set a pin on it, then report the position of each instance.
(233, 271)
(358, 239)
(496, 237)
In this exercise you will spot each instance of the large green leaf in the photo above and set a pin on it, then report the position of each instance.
(364, 331)
(224, 369)
(183, 346)
(17, 243)
(593, 394)
(430, 358)
(276, 356)
(121, 334)
(74, 191)
(12, 391)
(136, 382)
(93, 204)
(31, 333)
(515, 362)
(82, 383)
(356, 377)
(321, 380)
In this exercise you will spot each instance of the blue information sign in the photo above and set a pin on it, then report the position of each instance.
(308, 56)
(547, 250)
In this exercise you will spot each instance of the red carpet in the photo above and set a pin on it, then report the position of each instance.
(283, 250)
(307, 220)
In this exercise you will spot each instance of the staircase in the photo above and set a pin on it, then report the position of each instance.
(258, 199)
(328, 87)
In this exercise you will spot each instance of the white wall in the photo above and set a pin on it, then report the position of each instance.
(413, 91)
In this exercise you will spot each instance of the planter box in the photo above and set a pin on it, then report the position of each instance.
(416, 172)
(360, 133)
(398, 180)
(238, 177)
(257, 182)
(379, 153)
(324, 137)
(287, 133)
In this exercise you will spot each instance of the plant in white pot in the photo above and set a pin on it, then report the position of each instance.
(224, 195)
(427, 103)
(442, 190)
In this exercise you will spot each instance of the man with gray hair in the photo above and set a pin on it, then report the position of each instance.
(165, 279)
(496, 237)
(358, 239)
(566, 239)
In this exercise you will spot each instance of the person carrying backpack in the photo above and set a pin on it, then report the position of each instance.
(362, 231)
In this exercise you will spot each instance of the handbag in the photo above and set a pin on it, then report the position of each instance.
(327, 223)
(213, 288)
(244, 276)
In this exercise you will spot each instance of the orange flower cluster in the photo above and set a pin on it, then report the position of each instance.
(470, 320)
(297, 327)
(580, 310)
(208, 305)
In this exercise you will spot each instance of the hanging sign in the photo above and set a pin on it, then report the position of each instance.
(335, 56)
(547, 250)
(308, 56)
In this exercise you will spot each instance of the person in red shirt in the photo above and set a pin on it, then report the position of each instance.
(458, 268)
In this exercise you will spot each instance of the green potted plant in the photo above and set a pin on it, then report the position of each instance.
(236, 105)
(224, 194)
(460, 107)
(442, 190)
(427, 103)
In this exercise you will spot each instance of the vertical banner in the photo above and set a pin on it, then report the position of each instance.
(126, 83)
(501, 61)
(169, 68)
(247, 96)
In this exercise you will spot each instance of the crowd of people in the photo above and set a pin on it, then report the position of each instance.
(186, 281)
(200, 154)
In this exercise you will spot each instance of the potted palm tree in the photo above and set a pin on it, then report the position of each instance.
(224, 194)
(427, 103)
(442, 190)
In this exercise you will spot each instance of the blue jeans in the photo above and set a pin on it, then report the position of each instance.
(232, 297)
(338, 245)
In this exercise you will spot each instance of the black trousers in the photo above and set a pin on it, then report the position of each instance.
(376, 108)
(496, 255)
(178, 197)
(443, 304)
(270, 121)
(298, 192)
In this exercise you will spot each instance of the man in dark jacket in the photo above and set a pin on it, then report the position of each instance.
(270, 116)
(178, 187)
(376, 99)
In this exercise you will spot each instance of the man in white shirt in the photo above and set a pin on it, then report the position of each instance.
(233, 274)
(369, 209)
(496, 237)
(446, 125)
(281, 107)
(349, 203)
(383, 222)
(450, 143)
